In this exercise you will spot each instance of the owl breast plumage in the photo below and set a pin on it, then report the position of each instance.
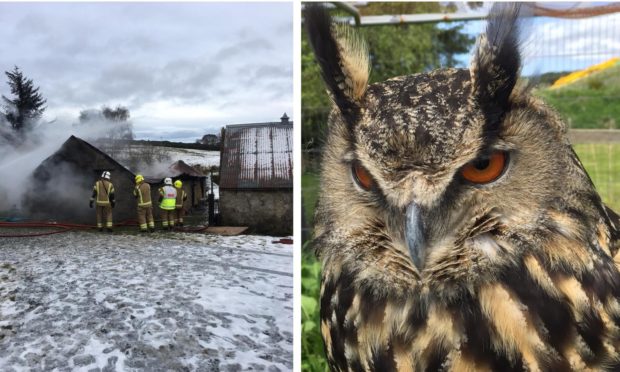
(457, 228)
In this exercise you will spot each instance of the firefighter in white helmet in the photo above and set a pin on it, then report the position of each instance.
(167, 203)
(103, 197)
(181, 198)
(142, 193)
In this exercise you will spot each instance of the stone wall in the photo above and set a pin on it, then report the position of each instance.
(264, 212)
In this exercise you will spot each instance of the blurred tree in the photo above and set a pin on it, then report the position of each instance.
(118, 117)
(119, 113)
(394, 50)
(27, 105)
(210, 139)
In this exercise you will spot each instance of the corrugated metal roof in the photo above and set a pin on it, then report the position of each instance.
(257, 156)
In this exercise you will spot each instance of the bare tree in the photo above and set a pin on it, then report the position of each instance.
(116, 120)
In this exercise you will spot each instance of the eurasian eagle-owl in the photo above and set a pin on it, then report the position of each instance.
(456, 226)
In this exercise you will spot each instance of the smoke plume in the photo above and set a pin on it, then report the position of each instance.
(20, 155)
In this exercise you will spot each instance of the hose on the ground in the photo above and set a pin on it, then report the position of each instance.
(61, 227)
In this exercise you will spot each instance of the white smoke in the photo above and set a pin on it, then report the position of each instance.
(158, 169)
(20, 155)
(139, 158)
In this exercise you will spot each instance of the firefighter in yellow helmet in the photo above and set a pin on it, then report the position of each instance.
(181, 198)
(103, 197)
(142, 193)
(167, 203)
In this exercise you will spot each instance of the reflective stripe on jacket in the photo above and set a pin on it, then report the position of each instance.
(103, 190)
(169, 197)
(143, 193)
(181, 197)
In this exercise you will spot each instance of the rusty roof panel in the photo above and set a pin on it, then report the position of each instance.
(257, 156)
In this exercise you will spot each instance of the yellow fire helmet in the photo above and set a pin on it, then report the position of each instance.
(178, 184)
(139, 178)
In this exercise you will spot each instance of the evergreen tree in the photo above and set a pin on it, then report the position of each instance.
(27, 104)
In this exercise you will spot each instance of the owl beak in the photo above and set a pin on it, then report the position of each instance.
(414, 234)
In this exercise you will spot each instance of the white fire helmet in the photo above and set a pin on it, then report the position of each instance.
(168, 181)
(105, 175)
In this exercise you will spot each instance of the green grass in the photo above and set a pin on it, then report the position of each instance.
(602, 161)
(313, 357)
(591, 102)
(310, 188)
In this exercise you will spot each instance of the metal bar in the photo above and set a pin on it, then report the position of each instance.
(349, 9)
(411, 18)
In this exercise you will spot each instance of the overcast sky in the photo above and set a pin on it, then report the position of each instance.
(182, 69)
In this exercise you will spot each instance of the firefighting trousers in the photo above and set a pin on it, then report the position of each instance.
(104, 212)
(145, 218)
(167, 217)
(178, 215)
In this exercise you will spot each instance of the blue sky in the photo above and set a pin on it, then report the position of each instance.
(182, 69)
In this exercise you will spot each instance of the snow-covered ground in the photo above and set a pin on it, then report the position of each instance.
(158, 302)
(193, 157)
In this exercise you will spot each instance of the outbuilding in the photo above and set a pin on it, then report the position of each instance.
(194, 183)
(256, 176)
(60, 187)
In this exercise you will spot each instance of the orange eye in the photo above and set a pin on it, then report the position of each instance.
(362, 177)
(485, 169)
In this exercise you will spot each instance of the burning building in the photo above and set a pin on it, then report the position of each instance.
(60, 187)
(256, 176)
(194, 182)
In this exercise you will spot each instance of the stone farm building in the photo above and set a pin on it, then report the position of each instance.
(61, 186)
(256, 177)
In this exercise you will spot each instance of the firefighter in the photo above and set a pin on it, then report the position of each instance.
(142, 193)
(167, 203)
(103, 195)
(181, 198)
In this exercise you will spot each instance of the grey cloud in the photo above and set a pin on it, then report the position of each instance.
(286, 27)
(252, 74)
(246, 46)
(279, 90)
(186, 79)
(32, 25)
(180, 79)
(273, 71)
(122, 79)
(84, 55)
(130, 44)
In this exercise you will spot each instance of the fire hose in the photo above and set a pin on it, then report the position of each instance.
(62, 227)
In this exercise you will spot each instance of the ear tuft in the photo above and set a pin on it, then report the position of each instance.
(497, 61)
(342, 56)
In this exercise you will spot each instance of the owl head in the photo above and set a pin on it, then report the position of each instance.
(448, 178)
